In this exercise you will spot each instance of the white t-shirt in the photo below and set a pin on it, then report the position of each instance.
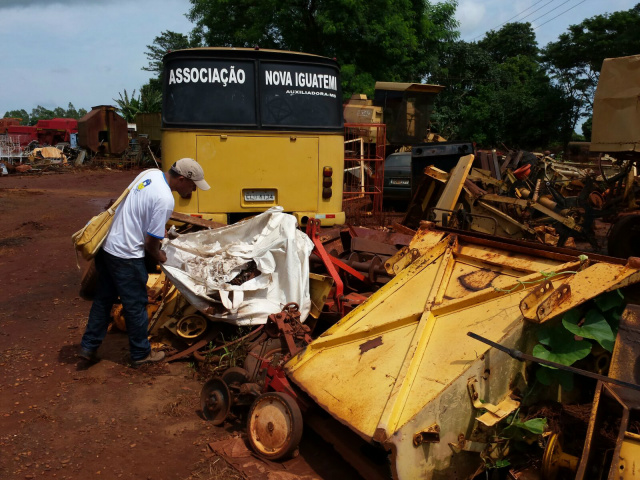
(145, 211)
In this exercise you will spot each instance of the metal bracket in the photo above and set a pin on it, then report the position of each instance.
(529, 304)
(465, 445)
(546, 308)
(430, 435)
(495, 413)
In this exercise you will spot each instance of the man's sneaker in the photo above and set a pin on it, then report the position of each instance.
(88, 355)
(151, 358)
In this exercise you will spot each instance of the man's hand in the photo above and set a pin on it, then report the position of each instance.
(162, 256)
(152, 245)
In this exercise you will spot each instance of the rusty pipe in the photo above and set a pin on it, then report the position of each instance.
(374, 267)
(544, 201)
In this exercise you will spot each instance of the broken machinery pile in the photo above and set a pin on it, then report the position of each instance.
(532, 196)
(366, 342)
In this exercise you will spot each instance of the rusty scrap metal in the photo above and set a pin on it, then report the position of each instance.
(430, 435)
(205, 341)
(614, 405)
(518, 355)
(287, 325)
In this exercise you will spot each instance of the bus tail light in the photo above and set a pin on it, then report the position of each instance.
(327, 181)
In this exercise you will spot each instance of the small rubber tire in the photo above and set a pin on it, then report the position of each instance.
(274, 426)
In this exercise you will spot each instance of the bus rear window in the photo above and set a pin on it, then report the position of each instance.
(302, 95)
(209, 92)
(203, 92)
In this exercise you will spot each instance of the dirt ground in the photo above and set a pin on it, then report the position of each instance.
(61, 418)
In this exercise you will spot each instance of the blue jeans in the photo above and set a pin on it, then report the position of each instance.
(125, 278)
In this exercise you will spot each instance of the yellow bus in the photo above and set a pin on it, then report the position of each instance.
(265, 125)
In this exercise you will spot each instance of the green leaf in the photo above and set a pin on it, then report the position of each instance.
(609, 300)
(595, 327)
(534, 425)
(518, 430)
(556, 335)
(545, 376)
(565, 379)
(613, 318)
(501, 463)
(548, 375)
(562, 347)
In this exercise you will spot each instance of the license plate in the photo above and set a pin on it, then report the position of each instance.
(259, 195)
(399, 181)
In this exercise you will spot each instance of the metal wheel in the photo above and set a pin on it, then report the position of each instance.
(235, 376)
(215, 400)
(191, 326)
(274, 426)
(267, 350)
(555, 459)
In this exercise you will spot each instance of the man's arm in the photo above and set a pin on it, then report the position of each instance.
(152, 245)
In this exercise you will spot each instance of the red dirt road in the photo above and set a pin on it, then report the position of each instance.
(58, 417)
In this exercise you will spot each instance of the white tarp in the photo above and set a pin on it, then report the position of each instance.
(201, 264)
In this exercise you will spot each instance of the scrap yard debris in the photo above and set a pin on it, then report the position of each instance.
(530, 196)
(426, 403)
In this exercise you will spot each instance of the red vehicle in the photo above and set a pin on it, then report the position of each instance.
(22, 133)
(56, 130)
(45, 132)
(5, 123)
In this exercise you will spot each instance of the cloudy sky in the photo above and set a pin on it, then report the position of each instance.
(87, 51)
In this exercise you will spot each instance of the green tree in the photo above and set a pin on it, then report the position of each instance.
(128, 106)
(42, 113)
(574, 61)
(22, 113)
(522, 109)
(73, 113)
(394, 40)
(586, 128)
(164, 43)
(148, 101)
(511, 40)
(150, 98)
(497, 92)
(464, 67)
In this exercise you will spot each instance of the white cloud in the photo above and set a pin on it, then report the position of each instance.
(471, 15)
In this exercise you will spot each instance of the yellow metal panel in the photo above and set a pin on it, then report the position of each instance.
(233, 164)
(449, 197)
(401, 361)
(450, 351)
(363, 379)
(288, 162)
(629, 461)
(520, 262)
(466, 279)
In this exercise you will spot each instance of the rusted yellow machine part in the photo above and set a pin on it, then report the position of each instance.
(167, 309)
(401, 367)
(156, 294)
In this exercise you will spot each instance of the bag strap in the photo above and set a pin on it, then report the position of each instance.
(112, 208)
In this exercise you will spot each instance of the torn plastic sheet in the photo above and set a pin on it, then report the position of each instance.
(202, 264)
